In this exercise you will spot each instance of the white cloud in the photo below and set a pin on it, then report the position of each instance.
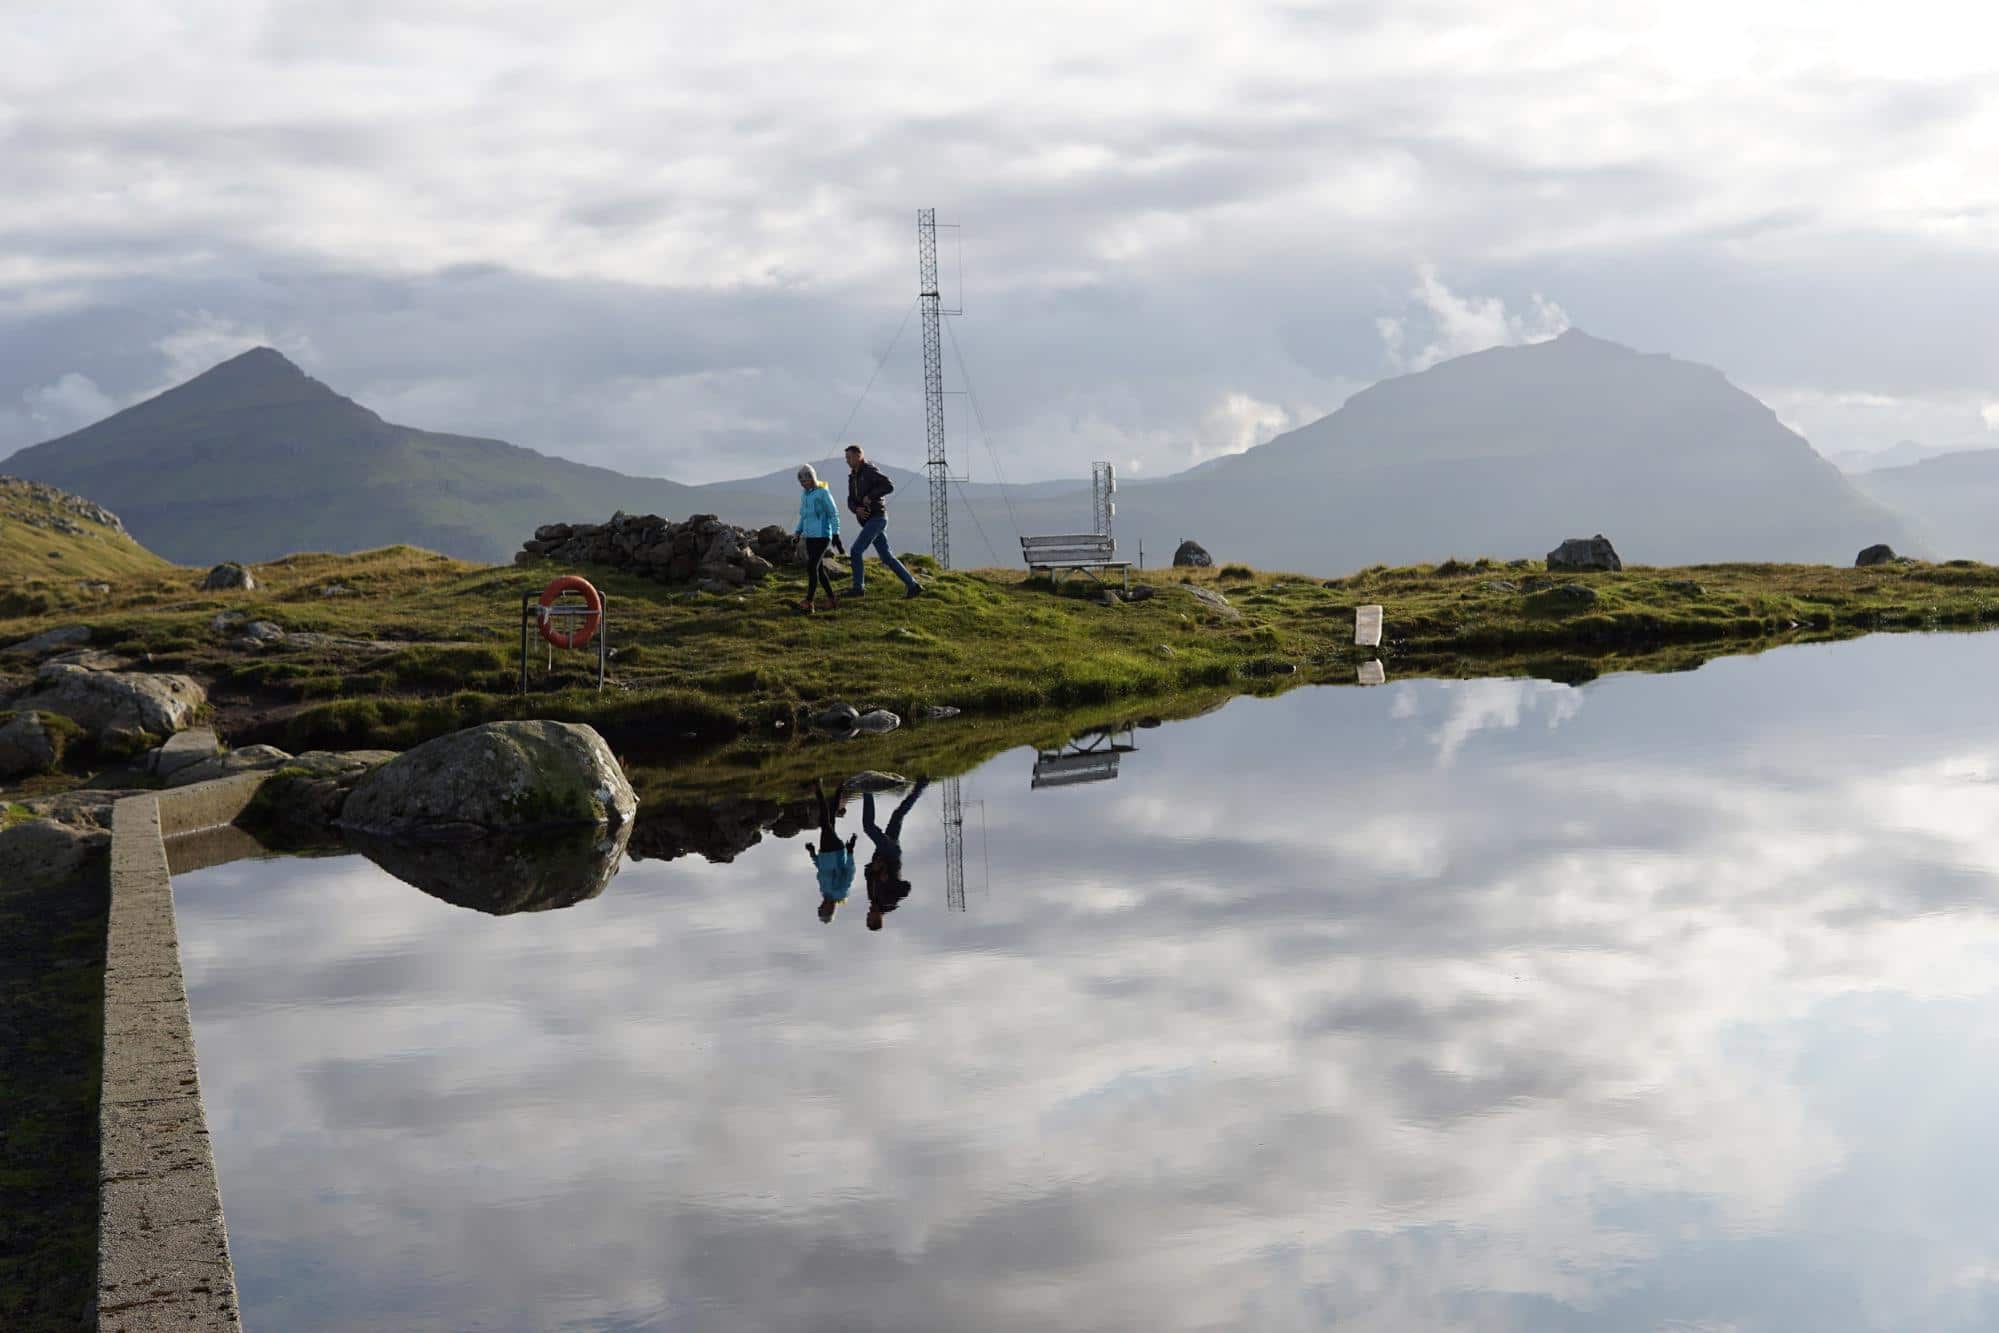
(70, 403)
(1453, 325)
(1990, 415)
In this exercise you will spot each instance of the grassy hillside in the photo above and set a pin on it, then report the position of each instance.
(51, 543)
(391, 646)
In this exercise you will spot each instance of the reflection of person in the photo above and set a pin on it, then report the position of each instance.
(833, 859)
(886, 886)
(867, 495)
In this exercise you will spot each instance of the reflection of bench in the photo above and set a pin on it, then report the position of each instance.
(1062, 770)
(1065, 554)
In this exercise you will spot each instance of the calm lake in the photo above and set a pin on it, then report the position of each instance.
(1666, 1002)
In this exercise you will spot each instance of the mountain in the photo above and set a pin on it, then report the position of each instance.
(1505, 453)
(48, 534)
(254, 459)
(1899, 454)
(1951, 498)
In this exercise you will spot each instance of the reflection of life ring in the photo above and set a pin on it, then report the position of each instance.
(585, 626)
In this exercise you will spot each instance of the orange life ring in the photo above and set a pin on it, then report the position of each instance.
(586, 629)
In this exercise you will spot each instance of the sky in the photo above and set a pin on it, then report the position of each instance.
(679, 239)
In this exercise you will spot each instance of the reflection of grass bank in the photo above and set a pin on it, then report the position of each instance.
(392, 646)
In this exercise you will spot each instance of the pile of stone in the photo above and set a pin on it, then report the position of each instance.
(17, 488)
(703, 551)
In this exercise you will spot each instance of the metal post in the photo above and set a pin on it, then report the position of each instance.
(933, 385)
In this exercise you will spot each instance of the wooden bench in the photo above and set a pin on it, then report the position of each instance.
(1089, 552)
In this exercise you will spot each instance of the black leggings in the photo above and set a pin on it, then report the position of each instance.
(815, 567)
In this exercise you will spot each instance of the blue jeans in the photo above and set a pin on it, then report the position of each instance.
(872, 535)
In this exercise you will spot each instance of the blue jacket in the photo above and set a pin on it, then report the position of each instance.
(818, 516)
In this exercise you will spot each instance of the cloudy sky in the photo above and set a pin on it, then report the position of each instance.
(677, 239)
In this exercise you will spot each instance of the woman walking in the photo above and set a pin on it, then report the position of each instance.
(819, 526)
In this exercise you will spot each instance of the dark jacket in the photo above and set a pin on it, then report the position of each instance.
(867, 492)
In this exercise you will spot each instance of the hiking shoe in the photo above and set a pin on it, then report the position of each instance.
(915, 590)
(855, 592)
(805, 607)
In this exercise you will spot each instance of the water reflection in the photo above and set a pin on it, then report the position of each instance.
(1665, 1003)
(501, 875)
(1091, 757)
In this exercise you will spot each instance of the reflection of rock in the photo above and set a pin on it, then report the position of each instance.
(499, 777)
(718, 832)
(503, 875)
(877, 722)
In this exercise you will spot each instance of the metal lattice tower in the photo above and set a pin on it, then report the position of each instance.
(954, 845)
(933, 384)
(1103, 486)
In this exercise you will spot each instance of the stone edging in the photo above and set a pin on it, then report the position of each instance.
(162, 1249)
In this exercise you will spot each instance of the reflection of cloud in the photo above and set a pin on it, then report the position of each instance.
(1562, 1040)
(1487, 705)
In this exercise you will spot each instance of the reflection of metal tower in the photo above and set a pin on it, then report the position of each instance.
(954, 845)
(933, 384)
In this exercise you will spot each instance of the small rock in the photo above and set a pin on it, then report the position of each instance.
(26, 746)
(1686, 588)
(249, 759)
(1879, 554)
(838, 717)
(938, 712)
(224, 620)
(1585, 553)
(261, 632)
(228, 576)
(878, 722)
(1499, 585)
(1577, 593)
(1108, 597)
(1214, 601)
(1144, 592)
(336, 590)
(49, 641)
(1191, 554)
(183, 751)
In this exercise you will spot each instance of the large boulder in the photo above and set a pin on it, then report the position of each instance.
(228, 577)
(1878, 554)
(500, 777)
(117, 706)
(43, 854)
(1192, 555)
(1585, 553)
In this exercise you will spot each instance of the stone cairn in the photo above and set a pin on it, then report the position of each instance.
(703, 551)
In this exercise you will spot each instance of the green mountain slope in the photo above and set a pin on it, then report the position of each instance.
(254, 459)
(49, 535)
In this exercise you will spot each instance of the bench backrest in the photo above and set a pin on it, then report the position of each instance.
(1073, 548)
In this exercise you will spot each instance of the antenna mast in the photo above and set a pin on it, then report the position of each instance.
(933, 384)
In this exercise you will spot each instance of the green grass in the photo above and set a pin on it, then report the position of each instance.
(425, 644)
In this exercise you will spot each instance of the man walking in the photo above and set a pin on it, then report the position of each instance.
(867, 494)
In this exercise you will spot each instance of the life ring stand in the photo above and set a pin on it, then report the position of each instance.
(583, 624)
